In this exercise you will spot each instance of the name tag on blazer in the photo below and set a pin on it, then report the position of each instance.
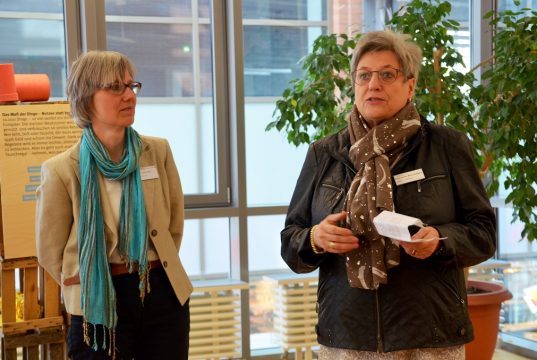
(149, 172)
(409, 176)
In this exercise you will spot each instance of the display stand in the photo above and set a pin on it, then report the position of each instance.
(41, 330)
(40, 334)
(29, 134)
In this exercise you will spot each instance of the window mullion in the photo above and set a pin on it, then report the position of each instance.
(92, 25)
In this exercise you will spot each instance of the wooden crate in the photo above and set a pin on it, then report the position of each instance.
(41, 332)
(295, 316)
(215, 321)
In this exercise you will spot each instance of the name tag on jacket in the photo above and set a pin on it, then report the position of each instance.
(149, 172)
(409, 176)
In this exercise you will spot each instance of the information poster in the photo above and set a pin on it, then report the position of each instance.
(29, 135)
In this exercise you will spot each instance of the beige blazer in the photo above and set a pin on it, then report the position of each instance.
(58, 205)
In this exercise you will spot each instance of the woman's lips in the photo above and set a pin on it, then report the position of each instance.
(375, 100)
(128, 109)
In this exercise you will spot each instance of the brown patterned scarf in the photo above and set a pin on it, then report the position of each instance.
(373, 152)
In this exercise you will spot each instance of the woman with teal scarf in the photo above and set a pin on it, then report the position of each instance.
(109, 224)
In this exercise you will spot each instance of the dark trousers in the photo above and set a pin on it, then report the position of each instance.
(158, 328)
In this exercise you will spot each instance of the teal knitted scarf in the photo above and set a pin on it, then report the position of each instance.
(98, 298)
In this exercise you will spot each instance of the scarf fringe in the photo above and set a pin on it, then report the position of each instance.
(144, 285)
(108, 333)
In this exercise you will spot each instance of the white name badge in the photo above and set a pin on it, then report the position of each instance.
(149, 172)
(409, 176)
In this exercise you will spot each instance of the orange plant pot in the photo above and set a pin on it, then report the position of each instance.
(484, 309)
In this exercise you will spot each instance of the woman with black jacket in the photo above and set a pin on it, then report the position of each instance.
(382, 298)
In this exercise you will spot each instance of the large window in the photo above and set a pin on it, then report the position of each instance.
(205, 250)
(460, 12)
(172, 46)
(519, 316)
(33, 39)
(277, 34)
(510, 5)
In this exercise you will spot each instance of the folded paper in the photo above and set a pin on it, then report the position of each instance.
(395, 226)
(399, 227)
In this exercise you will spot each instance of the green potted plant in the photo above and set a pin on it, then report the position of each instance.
(506, 116)
(498, 115)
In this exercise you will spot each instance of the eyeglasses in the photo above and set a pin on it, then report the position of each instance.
(119, 88)
(386, 76)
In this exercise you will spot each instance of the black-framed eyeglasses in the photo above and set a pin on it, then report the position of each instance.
(386, 76)
(119, 88)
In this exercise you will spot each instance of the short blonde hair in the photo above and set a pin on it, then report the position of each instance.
(407, 51)
(90, 72)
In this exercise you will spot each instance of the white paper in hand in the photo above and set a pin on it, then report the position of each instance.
(396, 226)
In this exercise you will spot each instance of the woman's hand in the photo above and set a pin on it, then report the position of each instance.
(333, 238)
(422, 250)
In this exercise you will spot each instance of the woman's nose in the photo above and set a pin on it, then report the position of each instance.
(374, 82)
(128, 94)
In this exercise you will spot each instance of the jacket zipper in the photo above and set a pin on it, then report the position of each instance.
(453, 291)
(428, 179)
(335, 188)
(379, 334)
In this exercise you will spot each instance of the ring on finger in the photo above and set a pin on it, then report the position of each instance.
(414, 252)
(332, 244)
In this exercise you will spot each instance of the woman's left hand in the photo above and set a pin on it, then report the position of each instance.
(422, 250)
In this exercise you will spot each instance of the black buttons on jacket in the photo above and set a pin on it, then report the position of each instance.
(154, 232)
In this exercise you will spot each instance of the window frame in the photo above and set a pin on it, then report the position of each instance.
(85, 30)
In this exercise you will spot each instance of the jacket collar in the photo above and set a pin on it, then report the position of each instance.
(416, 140)
(338, 145)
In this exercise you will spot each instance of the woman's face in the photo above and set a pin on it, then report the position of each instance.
(376, 100)
(111, 110)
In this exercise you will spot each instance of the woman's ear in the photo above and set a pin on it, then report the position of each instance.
(411, 88)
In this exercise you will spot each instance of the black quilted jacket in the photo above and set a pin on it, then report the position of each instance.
(424, 302)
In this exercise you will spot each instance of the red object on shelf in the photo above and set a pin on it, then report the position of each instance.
(32, 87)
(8, 91)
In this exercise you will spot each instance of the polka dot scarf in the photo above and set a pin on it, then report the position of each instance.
(373, 152)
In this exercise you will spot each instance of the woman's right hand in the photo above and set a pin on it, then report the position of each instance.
(333, 238)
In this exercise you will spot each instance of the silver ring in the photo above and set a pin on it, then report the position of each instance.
(414, 252)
